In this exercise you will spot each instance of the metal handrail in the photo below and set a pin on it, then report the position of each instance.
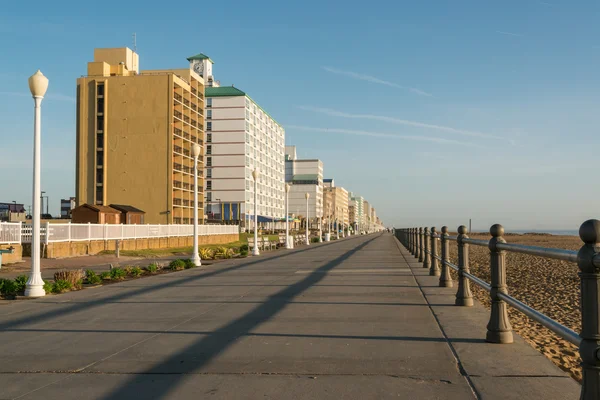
(423, 244)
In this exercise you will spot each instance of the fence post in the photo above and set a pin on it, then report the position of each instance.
(420, 236)
(463, 295)
(434, 269)
(416, 242)
(426, 256)
(589, 348)
(445, 277)
(499, 329)
(47, 237)
(412, 240)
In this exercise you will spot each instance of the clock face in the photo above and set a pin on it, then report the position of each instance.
(199, 68)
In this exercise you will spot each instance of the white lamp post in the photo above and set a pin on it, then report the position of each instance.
(38, 84)
(288, 245)
(196, 154)
(307, 195)
(337, 220)
(320, 226)
(255, 175)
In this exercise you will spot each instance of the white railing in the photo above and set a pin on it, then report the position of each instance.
(86, 232)
(10, 232)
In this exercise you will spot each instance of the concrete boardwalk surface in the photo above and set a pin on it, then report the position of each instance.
(351, 319)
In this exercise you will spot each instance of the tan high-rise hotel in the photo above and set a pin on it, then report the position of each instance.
(134, 136)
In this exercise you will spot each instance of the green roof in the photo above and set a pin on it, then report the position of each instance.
(200, 56)
(222, 91)
(229, 91)
(306, 177)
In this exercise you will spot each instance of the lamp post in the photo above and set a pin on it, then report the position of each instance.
(337, 225)
(255, 175)
(196, 154)
(320, 226)
(38, 84)
(288, 245)
(307, 195)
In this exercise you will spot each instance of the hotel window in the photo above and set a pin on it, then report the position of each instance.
(100, 141)
(209, 149)
(209, 196)
(209, 173)
(100, 90)
(99, 158)
(209, 161)
(209, 138)
(247, 126)
(209, 114)
(208, 185)
(209, 126)
(209, 102)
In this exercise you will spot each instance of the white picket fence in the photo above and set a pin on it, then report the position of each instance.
(10, 232)
(21, 233)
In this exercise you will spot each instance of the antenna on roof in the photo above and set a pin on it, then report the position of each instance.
(134, 42)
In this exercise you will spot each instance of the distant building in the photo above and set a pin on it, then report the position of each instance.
(240, 136)
(135, 131)
(356, 201)
(66, 205)
(12, 212)
(95, 214)
(304, 176)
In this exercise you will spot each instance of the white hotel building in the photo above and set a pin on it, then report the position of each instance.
(240, 136)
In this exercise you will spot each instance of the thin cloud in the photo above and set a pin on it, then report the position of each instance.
(509, 33)
(373, 79)
(416, 138)
(50, 96)
(416, 124)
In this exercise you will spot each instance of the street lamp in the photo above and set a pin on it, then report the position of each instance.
(255, 175)
(288, 245)
(38, 84)
(307, 195)
(196, 154)
(337, 225)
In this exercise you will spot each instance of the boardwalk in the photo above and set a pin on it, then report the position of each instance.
(351, 319)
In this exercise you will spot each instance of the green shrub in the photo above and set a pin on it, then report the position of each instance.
(189, 263)
(227, 253)
(128, 269)
(314, 240)
(21, 283)
(177, 265)
(206, 253)
(152, 268)
(105, 276)
(136, 271)
(48, 286)
(92, 278)
(61, 286)
(8, 287)
(244, 247)
(117, 273)
(244, 253)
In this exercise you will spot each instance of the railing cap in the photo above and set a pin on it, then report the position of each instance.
(589, 231)
(444, 229)
(462, 230)
(497, 230)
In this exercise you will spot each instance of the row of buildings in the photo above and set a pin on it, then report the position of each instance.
(136, 129)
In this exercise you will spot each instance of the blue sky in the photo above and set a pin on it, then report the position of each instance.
(435, 111)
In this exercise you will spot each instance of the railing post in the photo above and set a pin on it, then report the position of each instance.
(434, 269)
(426, 256)
(589, 348)
(412, 241)
(499, 329)
(464, 297)
(417, 244)
(408, 239)
(421, 244)
(445, 277)
(47, 239)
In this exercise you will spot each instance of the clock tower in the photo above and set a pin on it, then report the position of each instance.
(202, 65)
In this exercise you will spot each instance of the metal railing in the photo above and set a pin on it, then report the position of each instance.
(423, 242)
(85, 232)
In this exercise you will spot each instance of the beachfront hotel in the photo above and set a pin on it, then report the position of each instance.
(240, 136)
(134, 136)
(304, 176)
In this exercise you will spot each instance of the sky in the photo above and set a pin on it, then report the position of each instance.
(434, 111)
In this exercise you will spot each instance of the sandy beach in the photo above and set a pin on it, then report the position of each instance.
(549, 286)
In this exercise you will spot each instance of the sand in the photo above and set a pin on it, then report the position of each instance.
(549, 286)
